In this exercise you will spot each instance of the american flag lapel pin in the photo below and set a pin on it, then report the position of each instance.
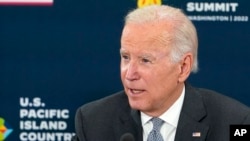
(196, 134)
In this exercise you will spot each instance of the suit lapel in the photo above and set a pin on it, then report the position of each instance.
(189, 126)
(137, 119)
(130, 121)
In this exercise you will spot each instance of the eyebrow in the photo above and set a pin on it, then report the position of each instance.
(122, 51)
(147, 56)
(144, 55)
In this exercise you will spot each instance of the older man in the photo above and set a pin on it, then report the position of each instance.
(158, 53)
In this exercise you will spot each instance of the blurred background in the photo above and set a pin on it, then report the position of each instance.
(58, 55)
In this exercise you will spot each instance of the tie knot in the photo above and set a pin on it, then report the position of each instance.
(157, 123)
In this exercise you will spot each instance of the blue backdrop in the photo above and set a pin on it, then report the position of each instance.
(55, 58)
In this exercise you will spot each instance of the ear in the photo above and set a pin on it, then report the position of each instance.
(185, 67)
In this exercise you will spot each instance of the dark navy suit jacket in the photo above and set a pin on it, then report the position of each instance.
(204, 112)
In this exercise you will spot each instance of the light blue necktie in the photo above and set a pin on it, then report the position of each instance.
(155, 134)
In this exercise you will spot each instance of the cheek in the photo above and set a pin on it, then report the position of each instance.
(160, 79)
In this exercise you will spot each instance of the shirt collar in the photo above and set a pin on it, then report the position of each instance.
(171, 116)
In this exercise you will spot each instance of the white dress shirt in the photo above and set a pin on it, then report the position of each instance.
(171, 118)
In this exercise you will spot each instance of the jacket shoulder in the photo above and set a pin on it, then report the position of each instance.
(231, 110)
(105, 106)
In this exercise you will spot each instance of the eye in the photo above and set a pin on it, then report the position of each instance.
(124, 57)
(145, 60)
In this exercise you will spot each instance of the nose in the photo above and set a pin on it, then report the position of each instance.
(132, 72)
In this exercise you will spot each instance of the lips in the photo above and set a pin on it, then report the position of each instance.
(136, 91)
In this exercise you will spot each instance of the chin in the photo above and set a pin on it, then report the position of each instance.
(136, 105)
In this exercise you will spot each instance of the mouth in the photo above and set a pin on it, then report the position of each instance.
(135, 91)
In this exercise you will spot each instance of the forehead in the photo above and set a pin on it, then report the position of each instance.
(146, 37)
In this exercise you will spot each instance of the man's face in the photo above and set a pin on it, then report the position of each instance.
(149, 77)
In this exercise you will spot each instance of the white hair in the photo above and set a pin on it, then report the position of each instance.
(184, 34)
